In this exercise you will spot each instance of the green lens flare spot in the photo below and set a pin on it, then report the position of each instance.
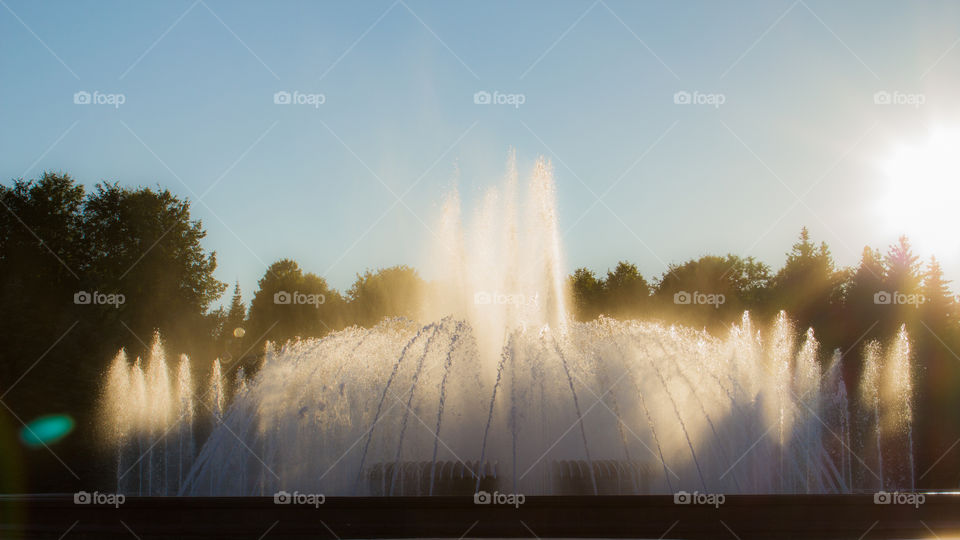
(46, 430)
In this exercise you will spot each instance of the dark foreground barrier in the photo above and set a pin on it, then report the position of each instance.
(740, 516)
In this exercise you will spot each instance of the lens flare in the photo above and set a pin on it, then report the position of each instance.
(46, 430)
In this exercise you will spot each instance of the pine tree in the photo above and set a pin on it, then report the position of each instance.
(808, 286)
(902, 268)
(867, 281)
(232, 332)
(237, 313)
(938, 308)
(901, 285)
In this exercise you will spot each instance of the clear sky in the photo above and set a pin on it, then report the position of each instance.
(788, 131)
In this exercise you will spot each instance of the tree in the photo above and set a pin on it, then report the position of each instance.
(750, 280)
(396, 291)
(237, 313)
(288, 304)
(587, 293)
(938, 374)
(62, 251)
(41, 224)
(862, 315)
(902, 268)
(901, 280)
(938, 310)
(712, 291)
(42, 258)
(625, 292)
(143, 244)
(42, 254)
(230, 331)
(809, 287)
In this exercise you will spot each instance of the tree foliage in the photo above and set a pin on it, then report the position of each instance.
(64, 250)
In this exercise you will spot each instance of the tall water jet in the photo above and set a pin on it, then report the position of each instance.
(837, 416)
(159, 405)
(185, 412)
(871, 433)
(781, 356)
(216, 392)
(898, 415)
(117, 417)
(139, 405)
(503, 268)
(807, 434)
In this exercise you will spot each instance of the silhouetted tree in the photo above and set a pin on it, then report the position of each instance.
(624, 291)
(936, 338)
(42, 257)
(231, 329)
(288, 304)
(901, 280)
(396, 291)
(862, 316)
(143, 244)
(62, 251)
(587, 293)
(809, 287)
(938, 310)
(712, 291)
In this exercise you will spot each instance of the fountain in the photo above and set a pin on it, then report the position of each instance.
(502, 391)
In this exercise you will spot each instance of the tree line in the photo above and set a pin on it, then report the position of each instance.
(845, 306)
(86, 272)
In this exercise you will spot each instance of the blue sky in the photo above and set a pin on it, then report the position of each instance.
(798, 139)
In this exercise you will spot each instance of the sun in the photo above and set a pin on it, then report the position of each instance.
(922, 191)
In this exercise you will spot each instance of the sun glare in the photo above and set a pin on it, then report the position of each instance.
(922, 191)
